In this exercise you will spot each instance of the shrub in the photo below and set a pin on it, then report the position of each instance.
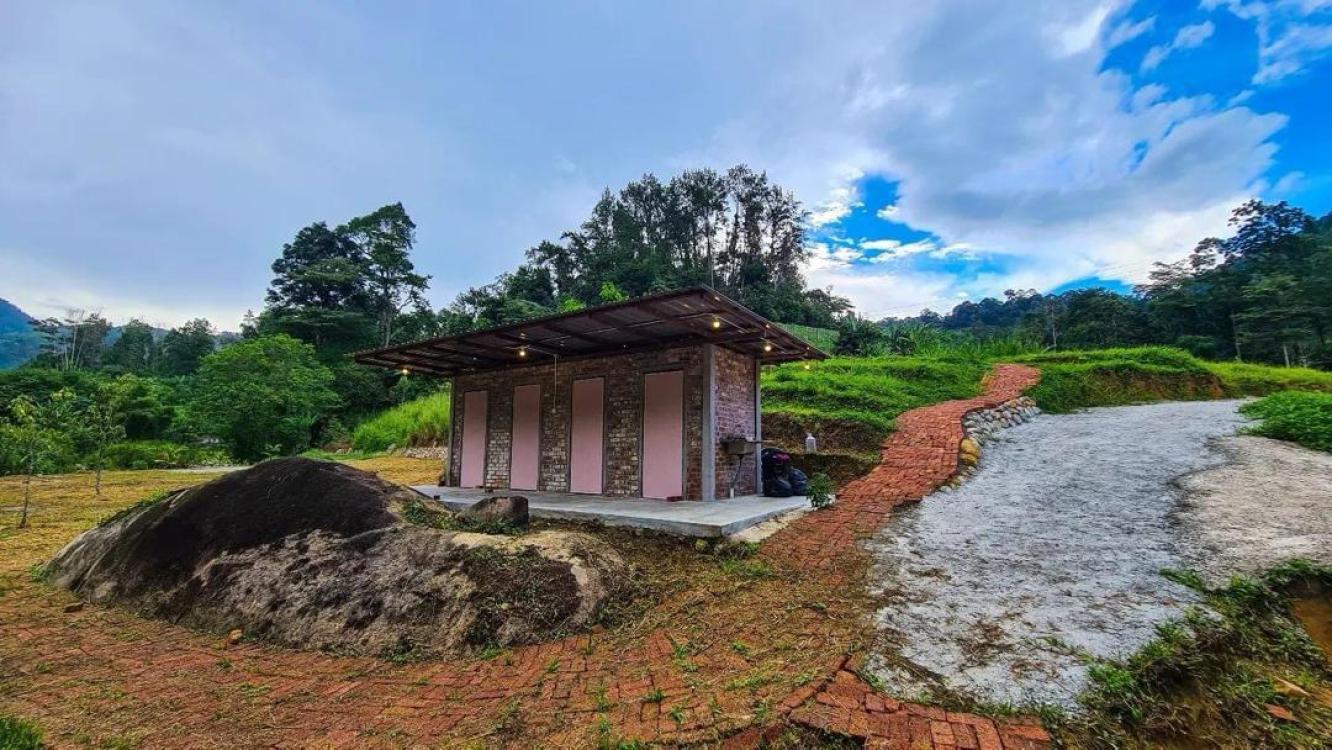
(162, 454)
(820, 491)
(16, 734)
(424, 421)
(261, 395)
(1304, 418)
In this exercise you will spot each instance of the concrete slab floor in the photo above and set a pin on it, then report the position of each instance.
(686, 517)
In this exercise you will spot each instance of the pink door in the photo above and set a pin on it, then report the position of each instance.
(586, 430)
(473, 472)
(524, 457)
(663, 434)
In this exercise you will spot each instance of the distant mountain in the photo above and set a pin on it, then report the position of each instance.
(18, 342)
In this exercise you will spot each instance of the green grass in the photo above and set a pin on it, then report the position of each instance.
(864, 393)
(822, 338)
(16, 734)
(1076, 379)
(1073, 379)
(424, 421)
(1244, 379)
(1300, 417)
(1209, 677)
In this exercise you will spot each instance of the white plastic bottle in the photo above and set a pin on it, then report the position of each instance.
(811, 445)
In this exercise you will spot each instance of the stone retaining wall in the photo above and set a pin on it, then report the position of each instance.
(980, 426)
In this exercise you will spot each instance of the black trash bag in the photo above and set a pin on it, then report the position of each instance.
(776, 463)
(799, 482)
(776, 487)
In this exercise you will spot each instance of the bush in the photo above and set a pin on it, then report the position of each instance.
(261, 396)
(424, 421)
(820, 491)
(16, 734)
(1304, 418)
(162, 454)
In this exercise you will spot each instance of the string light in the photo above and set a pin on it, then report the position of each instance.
(716, 323)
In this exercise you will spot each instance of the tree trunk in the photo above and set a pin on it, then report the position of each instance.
(27, 495)
(97, 483)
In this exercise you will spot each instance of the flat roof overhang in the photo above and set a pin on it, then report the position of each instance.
(684, 317)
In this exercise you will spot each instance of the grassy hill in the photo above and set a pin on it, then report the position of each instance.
(423, 421)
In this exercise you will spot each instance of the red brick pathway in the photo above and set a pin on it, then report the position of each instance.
(919, 456)
(110, 666)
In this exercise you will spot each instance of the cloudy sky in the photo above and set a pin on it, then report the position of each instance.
(155, 156)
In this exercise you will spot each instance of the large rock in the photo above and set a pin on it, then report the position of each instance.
(507, 511)
(315, 554)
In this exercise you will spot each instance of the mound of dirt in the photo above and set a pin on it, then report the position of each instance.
(315, 554)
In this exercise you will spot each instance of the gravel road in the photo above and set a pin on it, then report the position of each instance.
(1052, 550)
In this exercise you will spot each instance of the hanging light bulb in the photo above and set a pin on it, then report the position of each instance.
(716, 323)
(767, 346)
(405, 372)
(522, 351)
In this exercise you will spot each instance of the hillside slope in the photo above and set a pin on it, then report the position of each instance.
(18, 342)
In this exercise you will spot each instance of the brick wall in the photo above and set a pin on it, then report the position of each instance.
(623, 417)
(734, 406)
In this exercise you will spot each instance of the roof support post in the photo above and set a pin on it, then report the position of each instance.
(708, 485)
(446, 478)
(758, 426)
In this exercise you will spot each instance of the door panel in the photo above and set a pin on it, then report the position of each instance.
(473, 472)
(663, 434)
(587, 435)
(525, 455)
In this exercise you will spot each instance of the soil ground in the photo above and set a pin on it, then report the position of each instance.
(1270, 501)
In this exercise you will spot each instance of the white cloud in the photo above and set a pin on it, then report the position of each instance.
(838, 205)
(1291, 33)
(881, 295)
(1188, 37)
(1127, 31)
(892, 249)
(1035, 156)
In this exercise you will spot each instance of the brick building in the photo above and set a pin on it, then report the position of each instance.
(653, 397)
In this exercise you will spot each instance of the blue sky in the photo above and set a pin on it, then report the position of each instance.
(155, 156)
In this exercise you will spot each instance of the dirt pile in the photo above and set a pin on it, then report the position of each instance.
(315, 554)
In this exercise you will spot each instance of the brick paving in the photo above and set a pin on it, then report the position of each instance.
(171, 688)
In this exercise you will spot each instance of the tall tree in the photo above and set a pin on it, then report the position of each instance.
(183, 347)
(74, 341)
(134, 351)
(385, 239)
